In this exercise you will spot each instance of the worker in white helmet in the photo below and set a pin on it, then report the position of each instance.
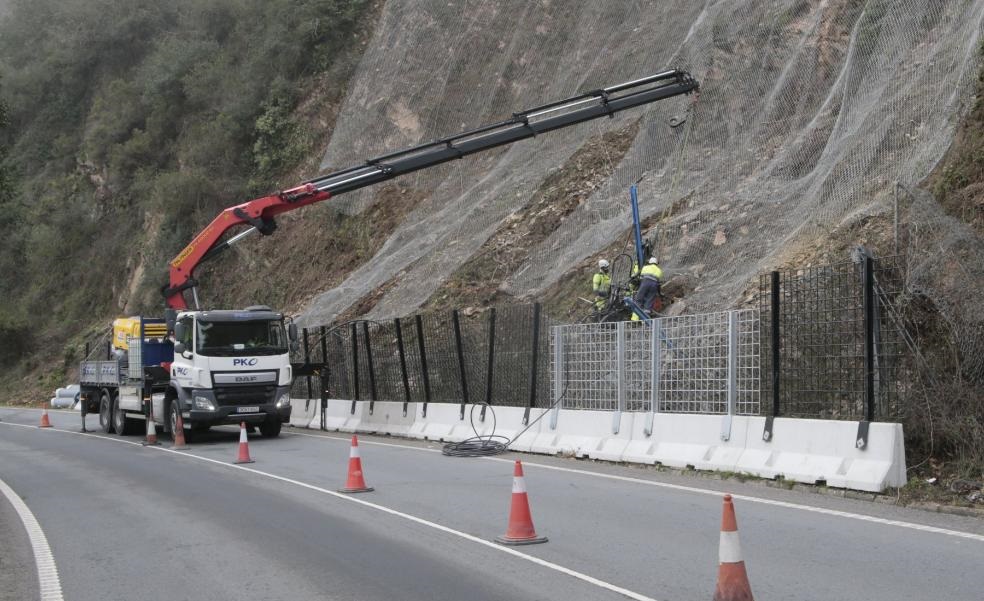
(649, 286)
(601, 284)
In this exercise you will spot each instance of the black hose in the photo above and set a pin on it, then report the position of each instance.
(478, 445)
(490, 444)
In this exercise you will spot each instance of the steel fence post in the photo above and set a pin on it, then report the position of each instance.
(307, 362)
(533, 363)
(732, 374)
(403, 365)
(868, 276)
(456, 326)
(325, 376)
(775, 340)
(370, 367)
(491, 365)
(620, 376)
(419, 322)
(559, 382)
(355, 365)
(655, 331)
(869, 340)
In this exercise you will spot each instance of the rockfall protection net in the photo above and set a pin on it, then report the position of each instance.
(809, 112)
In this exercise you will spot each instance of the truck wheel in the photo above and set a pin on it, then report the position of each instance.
(121, 422)
(271, 427)
(172, 420)
(106, 413)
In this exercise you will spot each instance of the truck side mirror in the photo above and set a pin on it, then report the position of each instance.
(292, 331)
(179, 348)
(179, 333)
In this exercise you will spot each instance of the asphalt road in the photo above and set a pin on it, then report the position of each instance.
(126, 522)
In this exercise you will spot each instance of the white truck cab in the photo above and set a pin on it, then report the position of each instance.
(217, 367)
(230, 366)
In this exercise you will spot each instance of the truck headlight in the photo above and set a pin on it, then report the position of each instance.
(204, 403)
(284, 400)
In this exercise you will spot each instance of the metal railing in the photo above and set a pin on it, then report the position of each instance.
(496, 356)
(707, 363)
(829, 346)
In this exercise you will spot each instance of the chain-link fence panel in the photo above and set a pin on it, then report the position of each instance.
(824, 369)
(499, 356)
(694, 360)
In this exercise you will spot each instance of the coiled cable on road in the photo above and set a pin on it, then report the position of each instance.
(492, 443)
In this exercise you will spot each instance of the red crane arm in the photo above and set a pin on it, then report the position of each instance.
(258, 214)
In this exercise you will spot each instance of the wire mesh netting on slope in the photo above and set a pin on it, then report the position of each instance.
(809, 112)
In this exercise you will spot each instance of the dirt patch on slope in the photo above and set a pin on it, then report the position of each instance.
(309, 253)
(477, 282)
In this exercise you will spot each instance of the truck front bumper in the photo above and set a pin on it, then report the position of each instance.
(253, 414)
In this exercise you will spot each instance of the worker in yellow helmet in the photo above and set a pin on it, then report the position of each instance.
(601, 285)
(651, 275)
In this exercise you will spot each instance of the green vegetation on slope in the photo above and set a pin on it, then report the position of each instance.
(131, 124)
(945, 432)
(959, 184)
(12, 324)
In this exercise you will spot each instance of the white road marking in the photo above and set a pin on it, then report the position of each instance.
(507, 550)
(362, 442)
(695, 490)
(48, 579)
(666, 485)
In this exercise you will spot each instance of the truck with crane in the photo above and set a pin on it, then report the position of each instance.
(216, 367)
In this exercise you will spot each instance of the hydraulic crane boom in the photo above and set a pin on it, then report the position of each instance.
(259, 213)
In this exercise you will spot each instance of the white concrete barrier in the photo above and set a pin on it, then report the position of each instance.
(303, 412)
(801, 450)
(813, 450)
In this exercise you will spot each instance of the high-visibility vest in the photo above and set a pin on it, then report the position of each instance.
(653, 271)
(601, 283)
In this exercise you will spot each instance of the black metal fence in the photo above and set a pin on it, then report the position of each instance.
(497, 356)
(832, 344)
(832, 347)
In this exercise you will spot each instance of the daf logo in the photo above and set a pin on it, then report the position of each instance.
(245, 379)
(249, 362)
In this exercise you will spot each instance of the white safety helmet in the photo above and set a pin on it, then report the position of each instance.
(653, 260)
(603, 264)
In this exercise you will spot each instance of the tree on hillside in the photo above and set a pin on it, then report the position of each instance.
(12, 326)
(6, 187)
(129, 113)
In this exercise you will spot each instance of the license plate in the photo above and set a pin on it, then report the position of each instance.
(249, 410)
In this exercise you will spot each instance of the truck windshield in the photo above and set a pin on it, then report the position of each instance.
(238, 338)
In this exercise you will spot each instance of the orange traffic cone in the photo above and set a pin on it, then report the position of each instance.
(732, 584)
(355, 482)
(151, 432)
(243, 445)
(179, 434)
(520, 529)
(45, 423)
